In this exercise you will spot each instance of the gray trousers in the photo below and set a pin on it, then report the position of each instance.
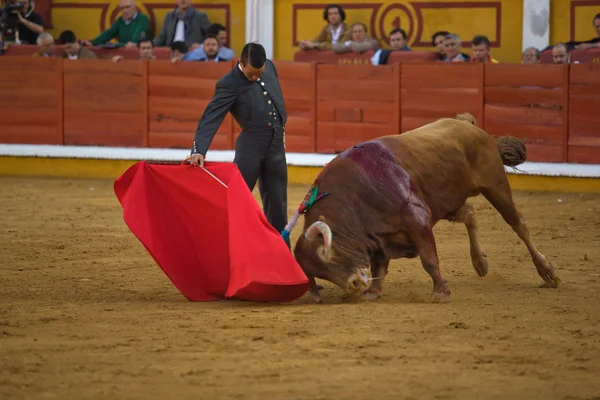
(260, 156)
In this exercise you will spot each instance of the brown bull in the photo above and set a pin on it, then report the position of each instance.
(385, 196)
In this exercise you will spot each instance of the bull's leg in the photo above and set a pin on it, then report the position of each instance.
(466, 215)
(425, 243)
(379, 269)
(501, 198)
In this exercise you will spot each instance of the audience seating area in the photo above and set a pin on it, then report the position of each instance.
(331, 106)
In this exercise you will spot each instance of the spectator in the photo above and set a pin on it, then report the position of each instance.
(129, 28)
(397, 42)
(31, 24)
(145, 50)
(336, 31)
(531, 55)
(183, 24)
(480, 45)
(359, 43)
(560, 54)
(593, 43)
(45, 43)
(178, 50)
(224, 54)
(72, 49)
(210, 50)
(437, 40)
(452, 46)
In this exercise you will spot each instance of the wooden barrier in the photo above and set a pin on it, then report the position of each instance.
(584, 107)
(178, 94)
(531, 104)
(298, 83)
(435, 90)
(351, 58)
(31, 100)
(554, 108)
(105, 104)
(356, 103)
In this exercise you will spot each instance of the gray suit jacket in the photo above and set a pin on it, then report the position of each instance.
(250, 103)
(199, 24)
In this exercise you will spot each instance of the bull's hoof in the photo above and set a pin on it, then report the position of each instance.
(371, 295)
(440, 297)
(551, 282)
(481, 265)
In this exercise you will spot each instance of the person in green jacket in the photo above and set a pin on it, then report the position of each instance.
(129, 28)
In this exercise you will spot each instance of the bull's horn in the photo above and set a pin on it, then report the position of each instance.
(322, 228)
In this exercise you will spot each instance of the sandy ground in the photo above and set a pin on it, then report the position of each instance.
(85, 313)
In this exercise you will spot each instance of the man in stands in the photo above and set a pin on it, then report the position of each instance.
(178, 51)
(210, 51)
(72, 49)
(437, 40)
(359, 43)
(183, 24)
(531, 55)
(30, 24)
(129, 28)
(560, 54)
(452, 46)
(336, 31)
(145, 50)
(45, 43)
(224, 54)
(481, 50)
(397, 42)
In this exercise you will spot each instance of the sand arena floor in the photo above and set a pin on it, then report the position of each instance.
(86, 314)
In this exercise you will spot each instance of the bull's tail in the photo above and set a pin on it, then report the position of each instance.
(512, 150)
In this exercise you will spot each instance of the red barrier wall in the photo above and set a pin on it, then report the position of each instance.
(435, 90)
(531, 104)
(584, 108)
(31, 100)
(554, 108)
(355, 104)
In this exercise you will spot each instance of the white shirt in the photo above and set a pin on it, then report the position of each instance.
(180, 32)
(335, 34)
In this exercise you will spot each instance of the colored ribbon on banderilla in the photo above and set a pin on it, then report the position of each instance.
(309, 200)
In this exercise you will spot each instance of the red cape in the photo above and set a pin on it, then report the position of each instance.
(212, 241)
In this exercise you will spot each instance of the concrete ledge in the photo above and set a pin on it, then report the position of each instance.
(93, 168)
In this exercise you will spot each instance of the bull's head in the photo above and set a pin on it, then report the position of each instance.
(321, 256)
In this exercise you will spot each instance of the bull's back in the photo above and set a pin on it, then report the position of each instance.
(440, 158)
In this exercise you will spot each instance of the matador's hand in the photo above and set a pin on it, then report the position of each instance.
(197, 160)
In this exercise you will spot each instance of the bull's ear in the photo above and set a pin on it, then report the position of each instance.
(322, 218)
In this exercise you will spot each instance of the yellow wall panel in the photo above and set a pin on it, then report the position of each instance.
(572, 20)
(501, 21)
(87, 18)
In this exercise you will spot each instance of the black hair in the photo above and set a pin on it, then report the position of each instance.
(214, 29)
(144, 40)
(399, 30)
(597, 16)
(67, 37)
(438, 33)
(480, 39)
(180, 46)
(211, 36)
(254, 54)
(339, 8)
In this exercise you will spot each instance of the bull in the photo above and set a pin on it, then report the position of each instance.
(385, 196)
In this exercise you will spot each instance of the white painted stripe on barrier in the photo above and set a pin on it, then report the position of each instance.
(296, 159)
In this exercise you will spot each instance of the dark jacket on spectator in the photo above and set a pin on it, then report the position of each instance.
(197, 24)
